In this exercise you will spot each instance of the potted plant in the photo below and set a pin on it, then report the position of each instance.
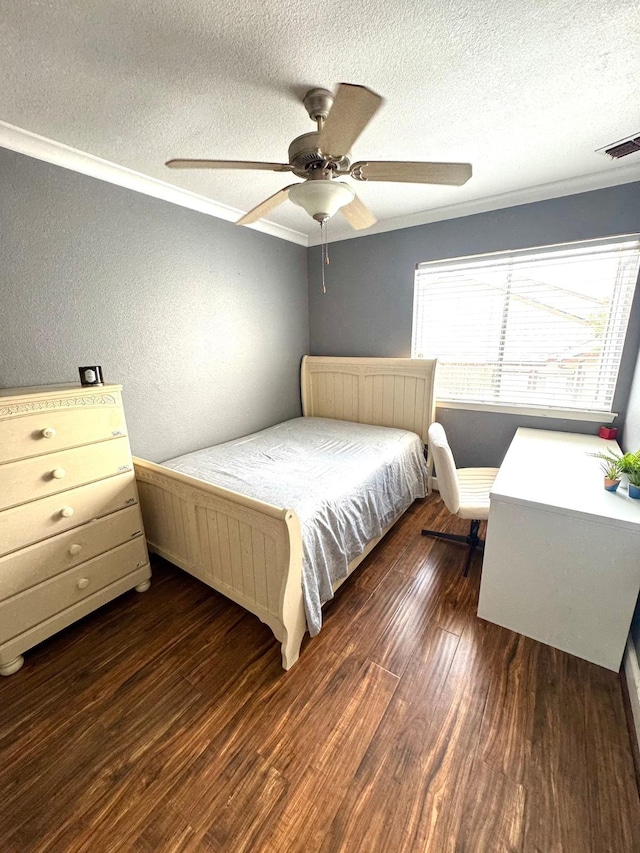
(610, 466)
(630, 465)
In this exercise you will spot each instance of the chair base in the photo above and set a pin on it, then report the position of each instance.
(472, 540)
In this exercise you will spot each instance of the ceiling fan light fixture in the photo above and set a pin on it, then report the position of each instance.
(321, 199)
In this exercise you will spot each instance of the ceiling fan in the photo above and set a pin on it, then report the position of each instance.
(322, 157)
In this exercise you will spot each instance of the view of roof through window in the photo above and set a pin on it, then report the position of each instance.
(542, 327)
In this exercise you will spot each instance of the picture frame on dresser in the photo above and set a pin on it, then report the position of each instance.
(71, 531)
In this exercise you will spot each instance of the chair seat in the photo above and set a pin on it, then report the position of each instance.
(475, 485)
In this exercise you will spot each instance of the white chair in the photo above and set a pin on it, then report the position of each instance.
(465, 492)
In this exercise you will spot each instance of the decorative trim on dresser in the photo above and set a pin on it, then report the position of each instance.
(71, 534)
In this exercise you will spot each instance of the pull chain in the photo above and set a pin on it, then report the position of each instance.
(324, 250)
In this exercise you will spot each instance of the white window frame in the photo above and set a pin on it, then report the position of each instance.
(502, 257)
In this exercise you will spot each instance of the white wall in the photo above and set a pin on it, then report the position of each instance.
(631, 436)
(631, 443)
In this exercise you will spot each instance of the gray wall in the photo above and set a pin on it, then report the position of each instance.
(367, 310)
(203, 322)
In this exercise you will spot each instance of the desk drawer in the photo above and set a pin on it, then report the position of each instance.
(51, 430)
(30, 479)
(23, 525)
(37, 563)
(33, 606)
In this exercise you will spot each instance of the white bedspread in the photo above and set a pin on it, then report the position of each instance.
(345, 481)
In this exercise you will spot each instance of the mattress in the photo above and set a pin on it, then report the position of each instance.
(345, 481)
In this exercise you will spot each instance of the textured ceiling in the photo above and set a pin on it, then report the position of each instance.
(525, 91)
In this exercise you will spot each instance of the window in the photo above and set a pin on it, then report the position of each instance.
(539, 328)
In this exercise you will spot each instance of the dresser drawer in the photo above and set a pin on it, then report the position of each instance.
(48, 430)
(37, 563)
(30, 479)
(33, 606)
(29, 523)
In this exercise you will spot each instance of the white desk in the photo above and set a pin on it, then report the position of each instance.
(562, 556)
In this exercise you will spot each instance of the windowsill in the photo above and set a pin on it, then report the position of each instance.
(530, 411)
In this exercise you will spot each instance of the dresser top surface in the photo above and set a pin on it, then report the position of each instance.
(68, 389)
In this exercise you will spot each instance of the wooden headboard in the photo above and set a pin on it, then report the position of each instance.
(392, 392)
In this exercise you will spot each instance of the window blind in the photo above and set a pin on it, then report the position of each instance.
(541, 327)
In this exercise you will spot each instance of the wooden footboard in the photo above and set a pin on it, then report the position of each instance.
(248, 550)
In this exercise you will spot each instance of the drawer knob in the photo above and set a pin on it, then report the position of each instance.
(75, 549)
(83, 583)
(48, 432)
(66, 511)
(58, 473)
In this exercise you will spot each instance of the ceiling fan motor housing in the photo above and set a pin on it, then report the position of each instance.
(304, 155)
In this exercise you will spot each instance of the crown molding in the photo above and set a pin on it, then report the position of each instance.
(41, 148)
(543, 192)
(25, 142)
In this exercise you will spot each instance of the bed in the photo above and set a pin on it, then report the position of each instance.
(256, 545)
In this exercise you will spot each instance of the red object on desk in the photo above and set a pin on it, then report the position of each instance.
(608, 432)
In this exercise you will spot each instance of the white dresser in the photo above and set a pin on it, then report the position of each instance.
(71, 535)
(562, 556)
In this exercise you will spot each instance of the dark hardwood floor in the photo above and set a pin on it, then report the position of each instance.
(164, 723)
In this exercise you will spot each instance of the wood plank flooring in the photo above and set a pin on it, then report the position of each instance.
(163, 723)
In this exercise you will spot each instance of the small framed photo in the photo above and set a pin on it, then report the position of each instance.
(91, 375)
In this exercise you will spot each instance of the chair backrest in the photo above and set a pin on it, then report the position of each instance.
(445, 468)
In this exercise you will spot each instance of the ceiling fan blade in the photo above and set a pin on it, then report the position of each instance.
(358, 214)
(227, 164)
(265, 206)
(352, 110)
(454, 174)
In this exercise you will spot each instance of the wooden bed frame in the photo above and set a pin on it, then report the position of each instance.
(251, 551)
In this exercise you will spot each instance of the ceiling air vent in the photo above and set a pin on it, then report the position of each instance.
(630, 145)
